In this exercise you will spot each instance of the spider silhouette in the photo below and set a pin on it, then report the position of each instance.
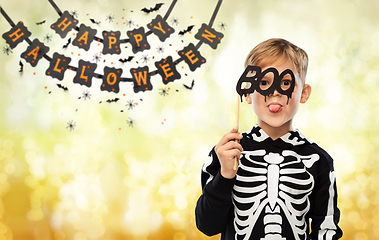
(222, 25)
(7, 50)
(48, 38)
(110, 18)
(160, 49)
(74, 13)
(96, 58)
(130, 122)
(129, 23)
(175, 21)
(71, 125)
(145, 58)
(86, 95)
(130, 104)
(163, 91)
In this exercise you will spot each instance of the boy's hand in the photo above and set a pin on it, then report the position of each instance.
(227, 149)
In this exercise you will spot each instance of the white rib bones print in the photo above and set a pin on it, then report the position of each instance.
(278, 183)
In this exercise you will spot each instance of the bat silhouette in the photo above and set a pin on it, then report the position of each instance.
(190, 88)
(21, 67)
(40, 23)
(189, 28)
(68, 43)
(126, 59)
(112, 100)
(93, 21)
(63, 87)
(157, 7)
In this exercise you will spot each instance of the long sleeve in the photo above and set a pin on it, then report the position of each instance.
(215, 204)
(325, 215)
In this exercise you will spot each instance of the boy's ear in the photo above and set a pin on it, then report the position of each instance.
(306, 93)
(248, 98)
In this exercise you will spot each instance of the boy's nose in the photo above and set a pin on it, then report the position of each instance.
(276, 93)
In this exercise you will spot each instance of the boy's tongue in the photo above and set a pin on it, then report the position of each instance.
(274, 108)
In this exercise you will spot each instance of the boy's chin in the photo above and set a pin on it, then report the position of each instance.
(277, 123)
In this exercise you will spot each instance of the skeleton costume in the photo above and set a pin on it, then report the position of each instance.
(280, 185)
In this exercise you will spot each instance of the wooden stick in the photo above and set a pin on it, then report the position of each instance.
(238, 120)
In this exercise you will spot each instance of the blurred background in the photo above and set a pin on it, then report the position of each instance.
(74, 166)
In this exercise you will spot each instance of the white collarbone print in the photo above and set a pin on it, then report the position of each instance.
(270, 183)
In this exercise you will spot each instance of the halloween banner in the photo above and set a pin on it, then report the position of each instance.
(112, 43)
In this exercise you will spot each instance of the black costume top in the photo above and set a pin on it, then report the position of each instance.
(280, 185)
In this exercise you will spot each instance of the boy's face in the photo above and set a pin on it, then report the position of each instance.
(273, 110)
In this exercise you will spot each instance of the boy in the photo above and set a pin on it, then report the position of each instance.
(283, 179)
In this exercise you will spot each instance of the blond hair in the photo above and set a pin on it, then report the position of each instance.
(275, 49)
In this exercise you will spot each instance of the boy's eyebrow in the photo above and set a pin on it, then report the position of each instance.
(287, 75)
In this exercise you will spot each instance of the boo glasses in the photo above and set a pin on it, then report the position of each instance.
(266, 82)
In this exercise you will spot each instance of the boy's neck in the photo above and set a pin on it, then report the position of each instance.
(275, 132)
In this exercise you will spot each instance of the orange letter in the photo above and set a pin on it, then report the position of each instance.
(64, 24)
(138, 38)
(160, 28)
(56, 65)
(166, 68)
(17, 35)
(82, 74)
(34, 52)
(112, 40)
(208, 36)
(139, 77)
(114, 78)
(84, 37)
(190, 56)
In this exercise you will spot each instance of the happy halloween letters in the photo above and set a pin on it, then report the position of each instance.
(111, 41)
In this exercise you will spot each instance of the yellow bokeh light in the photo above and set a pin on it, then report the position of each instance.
(108, 180)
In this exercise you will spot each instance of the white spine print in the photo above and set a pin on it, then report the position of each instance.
(273, 220)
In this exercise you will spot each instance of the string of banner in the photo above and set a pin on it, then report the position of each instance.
(85, 72)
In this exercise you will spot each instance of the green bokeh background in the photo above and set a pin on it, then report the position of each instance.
(106, 179)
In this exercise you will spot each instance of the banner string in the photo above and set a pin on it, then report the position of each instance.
(215, 13)
(5, 15)
(170, 9)
(55, 7)
(211, 21)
